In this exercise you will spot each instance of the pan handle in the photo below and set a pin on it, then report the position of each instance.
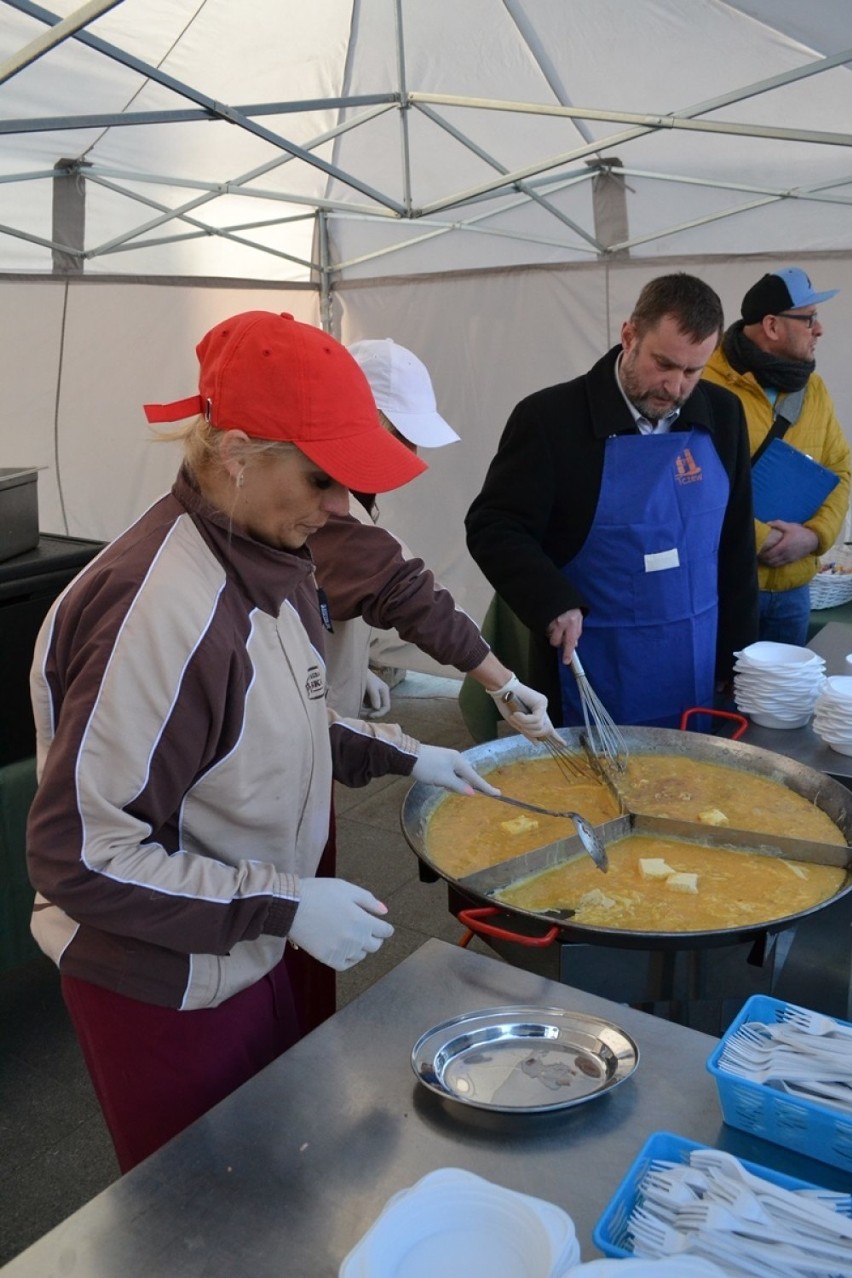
(739, 719)
(473, 919)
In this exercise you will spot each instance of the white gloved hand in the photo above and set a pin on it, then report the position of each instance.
(337, 922)
(438, 766)
(532, 720)
(376, 696)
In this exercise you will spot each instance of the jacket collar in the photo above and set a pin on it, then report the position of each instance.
(611, 416)
(265, 576)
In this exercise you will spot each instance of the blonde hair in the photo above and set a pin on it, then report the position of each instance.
(201, 445)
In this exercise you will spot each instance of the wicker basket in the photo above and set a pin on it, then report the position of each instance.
(831, 589)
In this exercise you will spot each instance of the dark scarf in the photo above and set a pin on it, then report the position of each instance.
(768, 370)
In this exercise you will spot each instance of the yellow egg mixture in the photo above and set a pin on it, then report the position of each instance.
(692, 888)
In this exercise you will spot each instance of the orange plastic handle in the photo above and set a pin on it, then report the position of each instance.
(473, 919)
(719, 714)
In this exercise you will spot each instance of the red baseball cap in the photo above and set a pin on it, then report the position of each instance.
(276, 378)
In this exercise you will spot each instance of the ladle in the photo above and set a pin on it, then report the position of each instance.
(586, 833)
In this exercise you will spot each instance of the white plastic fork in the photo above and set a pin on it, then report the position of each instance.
(739, 1198)
(794, 1260)
(829, 1067)
(681, 1171)
(774, 1197)
(665, 1189)
(795, 1070)
(839, 1096)
(713, 1217)
(654, 1239)
(837, 1198)
(789, 1034)
(814, 1022)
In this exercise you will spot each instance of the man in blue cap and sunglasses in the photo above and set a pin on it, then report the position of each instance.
(767, 359)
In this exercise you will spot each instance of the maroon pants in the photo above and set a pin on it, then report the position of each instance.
(155, 1069)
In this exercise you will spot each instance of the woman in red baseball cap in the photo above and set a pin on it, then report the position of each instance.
(185, 751)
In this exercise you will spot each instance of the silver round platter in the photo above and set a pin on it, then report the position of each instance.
(523, 1059)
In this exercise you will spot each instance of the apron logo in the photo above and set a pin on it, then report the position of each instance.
(315, 684)
(687, 470)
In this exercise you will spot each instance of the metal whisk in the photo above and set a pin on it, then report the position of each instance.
(569, 763)
(605, 738)
(572, 766)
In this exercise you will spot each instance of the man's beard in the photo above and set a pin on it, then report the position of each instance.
(644, 399)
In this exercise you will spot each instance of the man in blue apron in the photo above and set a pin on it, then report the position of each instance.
(617, 514)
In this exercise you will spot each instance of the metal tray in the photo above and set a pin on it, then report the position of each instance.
(523, 1059)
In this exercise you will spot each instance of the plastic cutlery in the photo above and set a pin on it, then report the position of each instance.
(664, 1188)
(791, 1035)
(776, 1199)
(712, 1217)
(796, 1070)
(839, 1096)
(815, 1022)
(654, 1239)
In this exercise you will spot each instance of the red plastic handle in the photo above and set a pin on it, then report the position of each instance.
(473, 919)
(719, 714)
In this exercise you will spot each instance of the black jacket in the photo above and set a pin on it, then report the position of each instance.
(540, 494)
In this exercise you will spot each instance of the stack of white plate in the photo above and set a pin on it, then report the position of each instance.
(833, 713)
(671, 1267)
(452, 1224)
(777, 684)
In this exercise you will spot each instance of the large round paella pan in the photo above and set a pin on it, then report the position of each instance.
(486, 886)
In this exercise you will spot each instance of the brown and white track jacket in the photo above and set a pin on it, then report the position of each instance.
(185, 758)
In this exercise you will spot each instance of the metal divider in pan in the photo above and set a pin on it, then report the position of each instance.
(838, 855)
(507, 873)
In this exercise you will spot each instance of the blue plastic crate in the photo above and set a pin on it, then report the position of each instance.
(610, 1233)
(803, 1125)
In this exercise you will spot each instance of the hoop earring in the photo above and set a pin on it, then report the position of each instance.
(240, 479)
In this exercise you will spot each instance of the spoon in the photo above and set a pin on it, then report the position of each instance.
(586, 833)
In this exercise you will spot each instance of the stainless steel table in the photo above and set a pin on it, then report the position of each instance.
(833, 642)
(282, 1178)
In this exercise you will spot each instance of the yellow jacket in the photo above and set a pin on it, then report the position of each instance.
(817, 433)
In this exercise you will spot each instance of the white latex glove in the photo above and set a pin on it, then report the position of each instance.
(533, 720)
(437, 765)
(337, 922)
(376, 696)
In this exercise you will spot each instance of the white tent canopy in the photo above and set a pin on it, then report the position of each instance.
(488, 181)
(217, 138)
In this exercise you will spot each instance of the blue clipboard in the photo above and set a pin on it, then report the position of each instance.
(787, 484)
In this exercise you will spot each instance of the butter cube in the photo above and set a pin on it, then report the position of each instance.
(654, 867)
(596, 897)
(519, 824)
(683, 883)
(712, 816)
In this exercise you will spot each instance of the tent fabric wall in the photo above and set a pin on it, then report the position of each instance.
(81, 358)
(78, 361)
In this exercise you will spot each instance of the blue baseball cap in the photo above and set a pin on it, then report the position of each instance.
(783, 290)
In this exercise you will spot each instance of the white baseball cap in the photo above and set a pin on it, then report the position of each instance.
(402, 389)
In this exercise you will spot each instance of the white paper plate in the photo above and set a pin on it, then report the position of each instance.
(671, 1267)
(454, 1224)
(766, 652)
(838, 687)
(765, 720)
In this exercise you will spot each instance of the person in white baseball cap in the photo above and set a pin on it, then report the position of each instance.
(402, 389)
(372, 580)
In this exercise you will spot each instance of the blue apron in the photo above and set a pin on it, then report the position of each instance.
(648, 571)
